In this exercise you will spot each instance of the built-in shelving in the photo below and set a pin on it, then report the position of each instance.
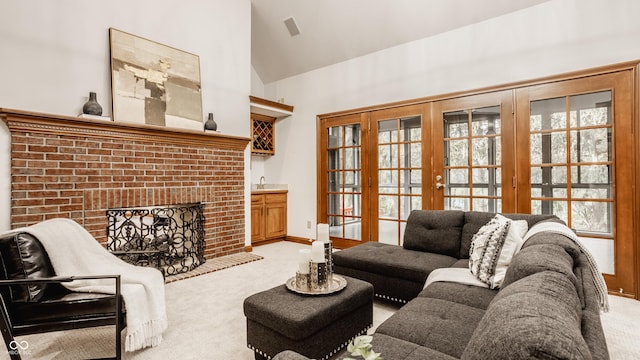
(264, 114)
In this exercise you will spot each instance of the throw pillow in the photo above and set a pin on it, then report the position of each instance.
(512, 244)
(492, 248)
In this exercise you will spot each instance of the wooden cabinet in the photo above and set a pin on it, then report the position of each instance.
(264, 114)
(263, 134)
(268, 217)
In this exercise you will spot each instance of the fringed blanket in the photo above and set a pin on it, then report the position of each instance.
(456, 275)
(73, 251)
(598, 280)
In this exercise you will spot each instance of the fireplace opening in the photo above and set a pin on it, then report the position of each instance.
(170, 238)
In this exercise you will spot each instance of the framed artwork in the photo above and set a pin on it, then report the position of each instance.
(154, 84)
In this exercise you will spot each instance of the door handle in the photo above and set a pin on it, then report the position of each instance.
(439, 185)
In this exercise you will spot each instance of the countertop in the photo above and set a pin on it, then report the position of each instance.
(269, 188)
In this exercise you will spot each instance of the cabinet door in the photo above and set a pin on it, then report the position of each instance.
(257, 218)
(276, 220)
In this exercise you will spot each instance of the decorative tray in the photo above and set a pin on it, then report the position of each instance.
(338, 283)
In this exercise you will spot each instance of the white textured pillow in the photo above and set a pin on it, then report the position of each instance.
(512, 244)
(492, 248)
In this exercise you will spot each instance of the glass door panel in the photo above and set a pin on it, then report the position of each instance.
(577, 140)
(469, 160)
(399, 158)
(572, 167)
(344, 150)
(472, 159)
(341, 191)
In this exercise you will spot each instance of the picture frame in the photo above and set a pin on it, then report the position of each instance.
(154, 84)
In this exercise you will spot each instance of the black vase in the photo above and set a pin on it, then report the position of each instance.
(210, 124)
(92, 107)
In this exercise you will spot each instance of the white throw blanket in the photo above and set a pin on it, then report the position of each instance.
(74, 251)
(598, 280)
(457, 275)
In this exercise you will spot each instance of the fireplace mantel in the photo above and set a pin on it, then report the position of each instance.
(59, 124)
(77, 168)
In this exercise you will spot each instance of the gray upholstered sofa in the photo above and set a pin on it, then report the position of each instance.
(546, 307)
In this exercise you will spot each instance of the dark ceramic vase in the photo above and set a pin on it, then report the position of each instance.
(92, 107)
(210, 124)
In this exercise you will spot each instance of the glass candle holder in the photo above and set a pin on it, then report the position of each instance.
(302, 280)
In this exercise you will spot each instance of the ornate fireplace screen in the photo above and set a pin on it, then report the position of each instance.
(170, 238)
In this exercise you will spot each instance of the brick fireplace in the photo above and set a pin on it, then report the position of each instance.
(78, 168)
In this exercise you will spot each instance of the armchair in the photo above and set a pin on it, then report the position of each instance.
(32, 299)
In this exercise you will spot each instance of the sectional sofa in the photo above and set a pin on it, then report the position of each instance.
(547, 303)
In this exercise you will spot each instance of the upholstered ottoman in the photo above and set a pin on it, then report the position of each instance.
(317, 326)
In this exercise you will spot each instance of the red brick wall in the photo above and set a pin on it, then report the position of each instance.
(75, 168)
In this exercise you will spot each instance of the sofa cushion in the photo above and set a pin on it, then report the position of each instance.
(393, 348)
(23, 257)
(441, 325)
(391, 261)
(434, 231)
(492, 248)
(474, 296)
(538, 316)
(474, 220)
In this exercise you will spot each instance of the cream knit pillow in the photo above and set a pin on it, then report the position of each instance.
(492, 248)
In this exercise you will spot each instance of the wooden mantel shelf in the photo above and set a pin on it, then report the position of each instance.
(48, 123)
(269, 108)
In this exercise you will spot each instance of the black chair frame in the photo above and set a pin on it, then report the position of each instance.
(11, 329)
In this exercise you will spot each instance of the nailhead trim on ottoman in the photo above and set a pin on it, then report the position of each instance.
(317, 326)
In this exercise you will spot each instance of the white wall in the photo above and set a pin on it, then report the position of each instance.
(257, 162)
(552, 38)
(55, 52)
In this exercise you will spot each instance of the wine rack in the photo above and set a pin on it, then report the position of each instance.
(263, 133)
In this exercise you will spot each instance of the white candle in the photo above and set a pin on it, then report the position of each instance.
(317, 252)
(303, 263)
(323, 232)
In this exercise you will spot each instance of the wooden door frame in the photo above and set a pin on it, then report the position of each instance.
(625, 221)
(322, 163)
(422, 110)
(505, 100)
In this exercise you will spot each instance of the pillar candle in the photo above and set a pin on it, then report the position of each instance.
(317, 252)
(303, 263)
(323, 233)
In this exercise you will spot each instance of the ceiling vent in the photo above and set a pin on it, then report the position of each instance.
(291, 25)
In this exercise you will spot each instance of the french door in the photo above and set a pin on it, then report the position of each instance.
(576, 160)
(372, 169)
(564, 147)
(400, 162)
(344, 170)
(473, 153)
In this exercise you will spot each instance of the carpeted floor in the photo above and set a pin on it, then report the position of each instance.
(206, 320)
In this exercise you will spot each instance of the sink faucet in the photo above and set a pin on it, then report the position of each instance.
(261, 180)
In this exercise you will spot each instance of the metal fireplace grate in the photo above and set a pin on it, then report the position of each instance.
(170, 238)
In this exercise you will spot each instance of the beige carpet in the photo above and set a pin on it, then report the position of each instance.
(207, 321)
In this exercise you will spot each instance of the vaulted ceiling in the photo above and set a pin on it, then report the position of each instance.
(333, 31)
